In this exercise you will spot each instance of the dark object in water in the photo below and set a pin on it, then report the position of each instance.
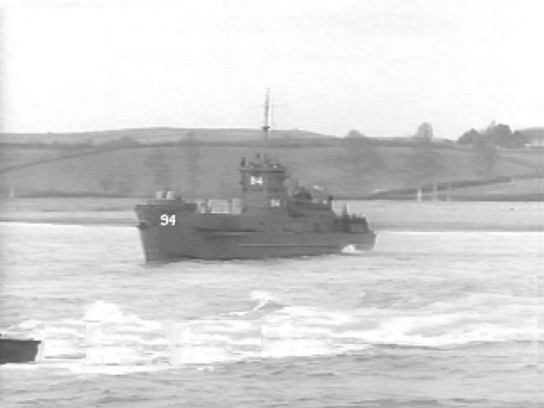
(19, 350)
(269, 222)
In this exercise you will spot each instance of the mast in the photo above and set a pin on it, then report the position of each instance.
(267, 125)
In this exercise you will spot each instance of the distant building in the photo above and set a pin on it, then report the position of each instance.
(536, 140)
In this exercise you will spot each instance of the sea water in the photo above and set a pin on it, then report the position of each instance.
(427, 319)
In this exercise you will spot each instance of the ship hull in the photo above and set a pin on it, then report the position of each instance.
(19, 351)
(172, 243)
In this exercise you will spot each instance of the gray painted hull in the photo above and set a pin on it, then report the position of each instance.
(174, 243)
(19, 351)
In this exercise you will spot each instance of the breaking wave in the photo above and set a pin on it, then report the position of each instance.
(111, 339)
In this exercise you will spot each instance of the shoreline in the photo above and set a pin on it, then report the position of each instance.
(382, 215)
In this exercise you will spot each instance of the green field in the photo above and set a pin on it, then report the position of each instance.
(201, 166)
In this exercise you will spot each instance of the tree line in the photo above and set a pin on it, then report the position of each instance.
(496, 134)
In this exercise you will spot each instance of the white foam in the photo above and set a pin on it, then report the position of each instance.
(438, 331)
(111, 340)
(351, 250)
(295, 348)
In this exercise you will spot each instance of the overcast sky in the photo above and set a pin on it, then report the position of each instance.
(379, 66)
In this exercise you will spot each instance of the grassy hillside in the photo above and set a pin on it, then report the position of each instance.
(346, 168)
(154, 135)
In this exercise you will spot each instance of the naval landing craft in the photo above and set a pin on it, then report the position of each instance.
(268, 222)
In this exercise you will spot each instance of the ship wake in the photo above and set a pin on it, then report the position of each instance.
(111, 340)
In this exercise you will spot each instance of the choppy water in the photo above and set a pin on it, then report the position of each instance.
(444, 319)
